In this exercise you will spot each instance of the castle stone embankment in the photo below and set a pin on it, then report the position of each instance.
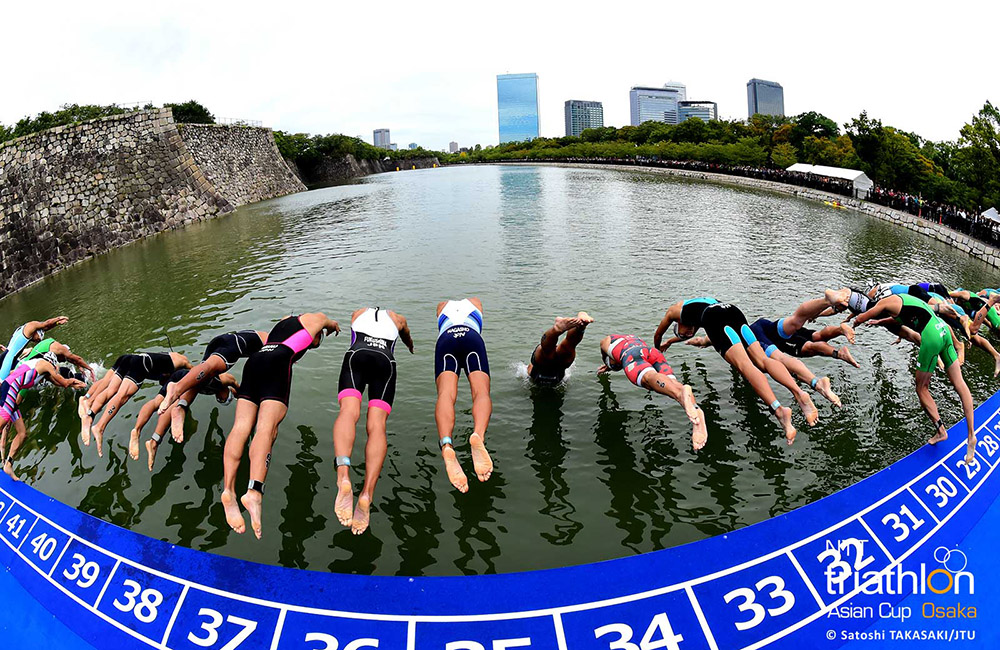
(79, 190)
(944, 234)
(341, 169)
(241, 161)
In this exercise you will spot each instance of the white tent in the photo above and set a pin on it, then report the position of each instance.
(992, 214)
(862, 184)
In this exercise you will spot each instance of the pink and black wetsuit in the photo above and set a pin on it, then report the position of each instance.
(22, 378)
(268, 372)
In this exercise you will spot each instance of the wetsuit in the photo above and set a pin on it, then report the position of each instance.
(935, 337)
(268, 372)
(771, 338)
(975, 303)
(22, 378)
(549, 371)
(934, 287)
(233, 346)
(636, 358)
(858, 302)
(954, 322)
(18, 341)
(369, 361)
(992, 315)
(460, 344)
(724, 324)
(141, 366)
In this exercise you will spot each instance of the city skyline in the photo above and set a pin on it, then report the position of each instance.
(280, 72)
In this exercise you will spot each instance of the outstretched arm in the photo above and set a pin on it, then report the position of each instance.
(32, 327)
(63, 351)
(404, 330)
(700, 341)
(875, 312)
(53, 375)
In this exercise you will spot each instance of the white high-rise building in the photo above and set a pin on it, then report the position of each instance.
(381, 139)
(657, 104)
(452, 147)
(682, 91)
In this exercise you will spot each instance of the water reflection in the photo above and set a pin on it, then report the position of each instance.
(547, 450)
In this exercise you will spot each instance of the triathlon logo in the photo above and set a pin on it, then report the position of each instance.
(850, 566)
(953, 563)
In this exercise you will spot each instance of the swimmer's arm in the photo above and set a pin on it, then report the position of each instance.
(871, 314)
(320, 321)
(63, 351)
(478, 303)
(227, 379)
(661, 329)
(61, 381)
(32, 327)
(882, 322)
(404, 332)
(700, 341)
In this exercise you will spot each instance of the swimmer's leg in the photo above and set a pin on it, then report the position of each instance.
(145, 413)
(482, 410)
(980, 342)
(210, 367)
(738, 359)
(683, 395)
(809, 311)
(236, 442)
(97, 401)
(831, 332)
(344, 429)
(21, 434)
(270, 415)
(444, 417)
(125, 392)
(780, 374)
(802, 373)
(954, 371)
(179, 412)
(923, 387)
(375, 450)
(566, 351)
(162, 425)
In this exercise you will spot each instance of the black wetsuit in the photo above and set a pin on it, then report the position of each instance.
(141, 366)
(233, 346)
(268, 372)
(724, 324)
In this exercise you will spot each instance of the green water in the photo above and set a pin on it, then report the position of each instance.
(591, 470)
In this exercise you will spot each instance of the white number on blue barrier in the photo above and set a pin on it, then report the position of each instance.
(990, 445)
(971, 469)
(894, 520)
(212, 626)
(499, 644)
(659, 635)
(759, 612)
(14, 526)
(840, 570)
(330, 642)
(44, 546)
(85, 573)
(144, 608)
(943, 490)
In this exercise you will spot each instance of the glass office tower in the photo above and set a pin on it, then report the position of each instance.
(654, 104)
(582, 115)
(517, 107)
(767, 97)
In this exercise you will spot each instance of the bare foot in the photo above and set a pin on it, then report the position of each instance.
(85, 423)
(251, 501)
(699, 435)
(151, 451)
(690, 405)
(481, 460)
(133, 444)
(455, 473)
(784, 415)
(344, 503)
(848, 332)
(168, 399)
(940, 436)
(837, 297)
(9, 471)
(996, 367)
(361, 515)
(82, 407)
(565, 324)
(233, 515)
(970, 452)
(823, 388)
(177, 424)
(844, 354)
(808, 408)
(584, 318)
(98, 440)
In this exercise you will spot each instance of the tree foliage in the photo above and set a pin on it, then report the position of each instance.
(191, 112)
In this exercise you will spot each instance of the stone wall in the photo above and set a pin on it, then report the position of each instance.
(78, 190)
(341, 169)
(241, 161)
(962, 242)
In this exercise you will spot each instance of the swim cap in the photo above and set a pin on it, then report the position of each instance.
(679, 335)
(225, 400)
(51, 358)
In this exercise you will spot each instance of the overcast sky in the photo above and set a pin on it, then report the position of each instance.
(427, 70)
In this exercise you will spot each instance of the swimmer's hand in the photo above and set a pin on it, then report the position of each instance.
(333, 326)
(699, 341)
(76, 384)
(666, 344)
(604, 369)
(897, 341)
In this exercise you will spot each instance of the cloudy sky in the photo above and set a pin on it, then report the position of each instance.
(427, 70)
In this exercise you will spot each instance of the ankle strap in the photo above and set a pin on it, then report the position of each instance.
(256, 485)
(343, 461)
(157, 438)
(445, 441)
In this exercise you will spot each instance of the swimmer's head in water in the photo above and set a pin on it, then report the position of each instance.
(683, 331)
(51, 358)
(872, 289)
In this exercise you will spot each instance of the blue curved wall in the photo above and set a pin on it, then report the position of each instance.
(924, 525)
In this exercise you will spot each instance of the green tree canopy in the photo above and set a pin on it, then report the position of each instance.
(191, 112)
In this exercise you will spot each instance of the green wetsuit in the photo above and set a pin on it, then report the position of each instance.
(35, 353)
(991, 315)
(935, 337)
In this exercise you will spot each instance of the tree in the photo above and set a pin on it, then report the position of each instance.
(783, 155)
(977, 161)
(191, 112)
(692, 129)
(6, 133)
(814, 124)
(838, 152)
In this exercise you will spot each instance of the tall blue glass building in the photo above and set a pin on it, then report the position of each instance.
(517, 107)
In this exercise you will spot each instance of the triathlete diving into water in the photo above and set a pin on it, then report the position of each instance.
(25, 335)
(26, 375)
(730, 334)
(262, 403)
(368, 364)
(119, 385)
(551, 358)
(646, 367)
(936, 340)
(223, 387)
(459, 347)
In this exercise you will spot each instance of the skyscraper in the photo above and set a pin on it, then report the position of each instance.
(703, 110)
(656, 104)
(767, 97)
(381, 138)
(682, 92)
(452, 147)
(412, 145)
(517, 107)
(582, 115)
